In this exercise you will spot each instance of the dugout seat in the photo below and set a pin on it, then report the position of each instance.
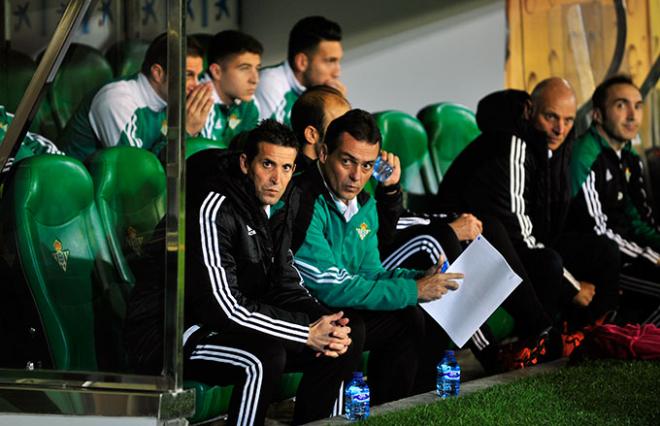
(196, 144)
(404, 135)
(16, 71)
(130, 192)
(57, 255)
(83, 71)
(450, 128)
(125, 57)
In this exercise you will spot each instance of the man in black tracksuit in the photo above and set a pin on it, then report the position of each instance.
(247, 315)
(517, 171)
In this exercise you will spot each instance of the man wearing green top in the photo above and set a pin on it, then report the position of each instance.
(313, 58)
(335, 247)
(32, 144)
(234, 59)
(606, 175)
(132, 111)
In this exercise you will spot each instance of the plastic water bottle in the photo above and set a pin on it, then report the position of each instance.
(449, 376)
(356, 398)
(382, 170)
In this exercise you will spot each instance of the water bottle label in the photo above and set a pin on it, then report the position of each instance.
(361, 397)
(455, 375)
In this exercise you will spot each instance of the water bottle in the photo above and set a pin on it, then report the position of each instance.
(449, 376)
(382, 170)
(356, 398)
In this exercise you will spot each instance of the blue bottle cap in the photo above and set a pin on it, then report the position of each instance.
(449, 352)
(357, 374)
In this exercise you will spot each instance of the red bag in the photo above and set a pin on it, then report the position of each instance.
(633, 341)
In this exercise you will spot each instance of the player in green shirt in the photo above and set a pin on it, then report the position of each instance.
(313, 58)
(234, 59)
(33, 144)
(132, 111)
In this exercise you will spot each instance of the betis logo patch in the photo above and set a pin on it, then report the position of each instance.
(61, 256)
(628, 174)
(163, 128)
(362, 230)
(134, 240)
(234, 121)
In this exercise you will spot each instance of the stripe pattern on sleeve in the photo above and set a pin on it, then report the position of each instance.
(209, 212)
(517, 190)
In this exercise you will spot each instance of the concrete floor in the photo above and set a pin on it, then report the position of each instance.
(473, 378)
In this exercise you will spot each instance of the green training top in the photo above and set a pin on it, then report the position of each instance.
(124, 112)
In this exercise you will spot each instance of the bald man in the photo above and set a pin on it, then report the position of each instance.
(592, 260)
(517, 171)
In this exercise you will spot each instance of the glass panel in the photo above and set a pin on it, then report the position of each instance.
(78, 231)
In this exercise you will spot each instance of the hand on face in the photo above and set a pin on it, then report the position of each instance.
(199, 101)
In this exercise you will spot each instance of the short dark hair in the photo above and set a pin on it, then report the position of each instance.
(357, 123)
(269, 131)
(307, 33)
(157, 52)
(599, 97)
(309, 109)
(232, 42)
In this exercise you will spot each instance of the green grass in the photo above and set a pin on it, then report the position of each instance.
(599, 393)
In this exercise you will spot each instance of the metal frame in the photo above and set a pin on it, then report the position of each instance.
(106, 393)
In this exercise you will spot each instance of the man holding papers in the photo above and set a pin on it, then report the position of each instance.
(335, 245)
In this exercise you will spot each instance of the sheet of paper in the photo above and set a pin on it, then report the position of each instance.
(488, 281)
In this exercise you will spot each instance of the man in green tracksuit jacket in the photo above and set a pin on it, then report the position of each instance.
(335, 248)
(32, 144)
(133, 111)
(313, 58)
(603, 169)
(234, 59)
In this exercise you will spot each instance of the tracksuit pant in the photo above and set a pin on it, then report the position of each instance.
(254, 362)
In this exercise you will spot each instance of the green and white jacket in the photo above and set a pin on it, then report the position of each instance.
(337, 252)
(278, 90)
(124, 112)
(226, 121)
(32, 144)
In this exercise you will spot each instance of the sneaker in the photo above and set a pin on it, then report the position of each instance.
(571, 341)
(544, 347)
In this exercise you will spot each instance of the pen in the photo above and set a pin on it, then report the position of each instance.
(445, 266)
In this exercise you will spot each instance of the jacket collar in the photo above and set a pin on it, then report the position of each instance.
(152, 99)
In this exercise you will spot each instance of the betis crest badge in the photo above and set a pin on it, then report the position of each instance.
(363, 230)
(60, 256)
(163, 128)
(234, 121)
(134, 240)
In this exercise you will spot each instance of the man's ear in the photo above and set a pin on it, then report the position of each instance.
(597, 116)
(301, 61)
(243, 162)
(158, 73)
(312, 135)
(216, 71)
(323, 153)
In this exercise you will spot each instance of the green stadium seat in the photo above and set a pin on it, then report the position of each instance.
(59, 257)
(83, 71)
(450, 128)
(196, 144)
(404, 135)
(130, 192)
(16, 71)
(125, 57)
